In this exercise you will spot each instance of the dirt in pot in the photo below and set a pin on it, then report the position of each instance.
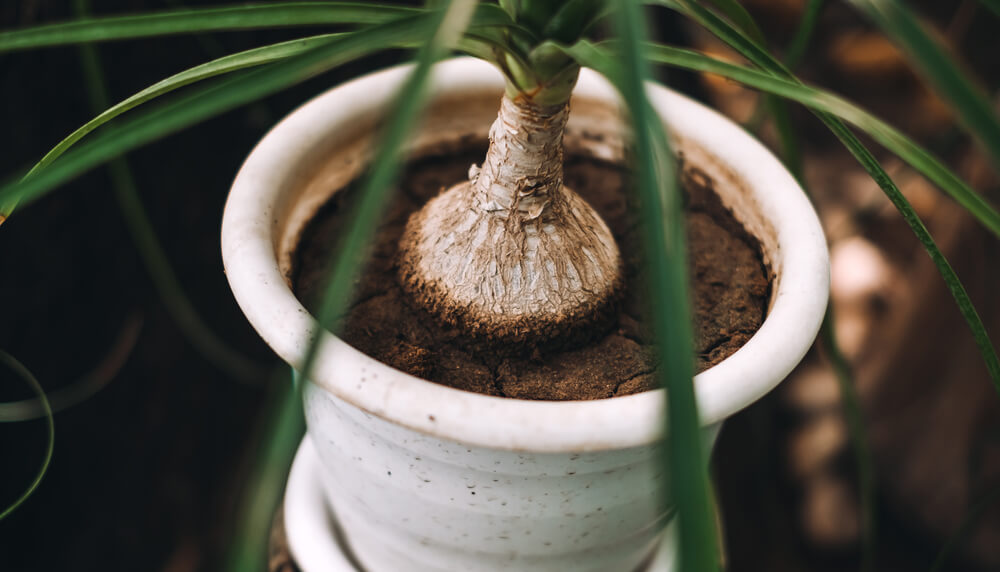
(729, 282)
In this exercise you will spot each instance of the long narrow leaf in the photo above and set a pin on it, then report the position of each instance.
(50, 426)
(820, 100)
(223, 65)
(82, 389)
(800, 42)
(666, 260)
(220, 66)
(385, 171)
(965, 306)
(447, 26)
(740, 17)
(852, 409)
(273, 448)
(939, 69)
(759, 56)
(891, 138)
(253, 16)
(789, 147)
(190, 21)
(150, 250)
(207, 102)
(793, 56)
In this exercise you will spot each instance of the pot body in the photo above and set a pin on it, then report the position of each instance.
(409, 501)
(425, 477)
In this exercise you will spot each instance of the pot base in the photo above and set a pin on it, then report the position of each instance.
(317, 543)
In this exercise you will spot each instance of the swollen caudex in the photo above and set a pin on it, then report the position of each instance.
(512, 256)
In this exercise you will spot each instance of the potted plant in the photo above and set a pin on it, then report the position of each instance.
(538, 51)
(428, 475)
(423, 476)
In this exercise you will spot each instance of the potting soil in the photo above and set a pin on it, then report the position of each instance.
(730, 290)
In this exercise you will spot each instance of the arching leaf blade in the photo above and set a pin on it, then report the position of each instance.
(386, 166)
(593, 55)
(445, 27)
(228, 19)
(204, 103)
(909, 151)
(955, 287)
(803, 34)
(741, 18)
(195, 20)
(759, 56)
(208, 70)
(940, 70)
(664, 241)
(25, 374)
(153, 256)
(220, 66)
(824, 101)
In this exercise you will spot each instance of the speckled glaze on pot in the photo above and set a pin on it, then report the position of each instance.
(426, 477)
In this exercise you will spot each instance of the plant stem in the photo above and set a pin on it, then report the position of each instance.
(523, 166)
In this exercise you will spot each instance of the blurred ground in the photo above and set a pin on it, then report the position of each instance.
(146, 473)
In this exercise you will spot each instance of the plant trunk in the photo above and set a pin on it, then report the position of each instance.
(512, 256)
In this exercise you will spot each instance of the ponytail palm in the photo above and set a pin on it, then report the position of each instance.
(511, 255)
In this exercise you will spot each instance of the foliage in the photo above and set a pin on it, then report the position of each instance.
(539, 46)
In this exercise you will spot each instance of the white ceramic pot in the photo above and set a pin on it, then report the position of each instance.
(425, 477)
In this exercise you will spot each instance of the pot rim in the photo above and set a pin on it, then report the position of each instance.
(249, 244)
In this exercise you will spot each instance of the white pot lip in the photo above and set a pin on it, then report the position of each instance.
(249, 255)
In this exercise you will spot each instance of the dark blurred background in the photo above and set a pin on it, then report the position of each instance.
(147, 472)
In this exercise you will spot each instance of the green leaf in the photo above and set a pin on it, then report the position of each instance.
(886, 135)
(252, 16)
(939, 69)
(447, 25)
(182, 311)
(386, 166)
(807, 25)
(965, 306)
(662, 224)
(190, 21)
(278, 435)
(759, 56)
(214, 68)
(787, 141)
(820, 100)
(480, 43)
(793, 56)
(220, 66)
(79, 390)
(572, 19)
(204, 103)
(26, 375)
(741, 18)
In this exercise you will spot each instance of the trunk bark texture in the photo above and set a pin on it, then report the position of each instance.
(512, 255)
